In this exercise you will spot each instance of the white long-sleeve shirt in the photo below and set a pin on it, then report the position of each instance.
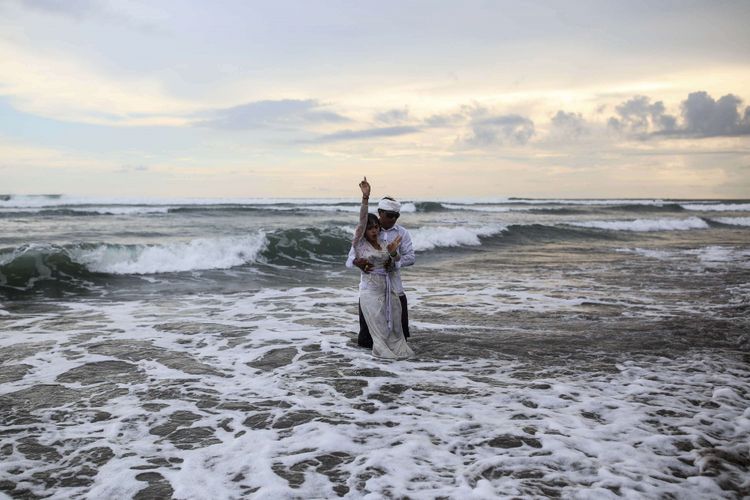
(405, 248)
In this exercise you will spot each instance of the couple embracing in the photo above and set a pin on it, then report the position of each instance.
(379, 249)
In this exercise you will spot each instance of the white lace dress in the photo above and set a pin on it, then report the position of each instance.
(380, 304)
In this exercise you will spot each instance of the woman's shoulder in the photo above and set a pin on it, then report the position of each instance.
(362, 245)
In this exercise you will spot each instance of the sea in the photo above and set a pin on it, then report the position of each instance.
(206, 349)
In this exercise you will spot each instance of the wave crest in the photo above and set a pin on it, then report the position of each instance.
(646, 225)
(717, 207)
(193, 255)
(428, 238)
(36, 267)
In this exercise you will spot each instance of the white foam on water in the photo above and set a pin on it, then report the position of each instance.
(117, 210)
(551, 201)
(103, 210)
(493, 296)
(32, 201)
(430, 237)
(708, 256)
(346, 229)
(497, 209)
(315, 208)
(408, 207)
(594, 202)
(734, 221)
(480, 208)
(646, 225)
(716, 207)
(649, 252)
(35, 201)
(715, 253)
(196, 254)
(333, 416)
(372, 208)
(138, 205)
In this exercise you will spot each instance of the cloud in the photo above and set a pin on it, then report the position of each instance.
(350, 135)
(639, 116)
(393, 116)
(705, 117)
(445, 120)
(73, 8)
(701, 116)
(82, 93)
(124, 169)
(568, 125)
(280, 114)
(497, 130)
(139, 16)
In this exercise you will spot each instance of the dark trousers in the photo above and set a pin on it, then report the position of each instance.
(365, 339)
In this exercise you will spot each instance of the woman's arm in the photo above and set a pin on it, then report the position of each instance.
(360, 231)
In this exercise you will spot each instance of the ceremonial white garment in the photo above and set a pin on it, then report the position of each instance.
(378, 298)
(405, 249)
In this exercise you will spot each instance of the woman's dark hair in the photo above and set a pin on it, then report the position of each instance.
(372, 220)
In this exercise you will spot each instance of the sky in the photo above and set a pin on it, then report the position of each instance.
(428, 99)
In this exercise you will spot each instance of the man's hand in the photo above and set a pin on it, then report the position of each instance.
(363, 264)
(393, 245)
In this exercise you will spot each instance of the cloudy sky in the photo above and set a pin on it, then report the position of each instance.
(432, 98)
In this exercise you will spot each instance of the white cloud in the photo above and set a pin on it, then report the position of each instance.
(706, 117)
(567, 125)
(489, 131)
(270, 114)
(56, 85)
(702, 117)
(470, 87)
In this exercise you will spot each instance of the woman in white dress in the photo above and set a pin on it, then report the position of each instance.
(379, 301)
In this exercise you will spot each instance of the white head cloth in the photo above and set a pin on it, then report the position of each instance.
(389, 205)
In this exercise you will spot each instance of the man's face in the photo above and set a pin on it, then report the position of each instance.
(387, 218)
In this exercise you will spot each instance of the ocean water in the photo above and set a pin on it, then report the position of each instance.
(206, 349)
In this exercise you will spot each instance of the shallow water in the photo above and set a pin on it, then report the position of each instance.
(603, 364)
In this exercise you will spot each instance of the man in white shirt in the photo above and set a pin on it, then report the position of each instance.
(389, 211)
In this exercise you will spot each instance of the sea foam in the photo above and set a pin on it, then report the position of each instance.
(480, 208)
(428, 238)
(646, 224)
(35, 201)
(715, 253)
(717, 207)
(228, 395)
(197, 254)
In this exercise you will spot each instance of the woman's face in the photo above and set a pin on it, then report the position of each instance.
(371, 233)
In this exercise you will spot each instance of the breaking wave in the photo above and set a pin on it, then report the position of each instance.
(73, 268)
(70, 268)
(717, 207)
(733, 221)
(429, 206)
(193, 255)
(646, 225)
(667, 207)
(433, 237)
(46, 268)
(480, 208)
